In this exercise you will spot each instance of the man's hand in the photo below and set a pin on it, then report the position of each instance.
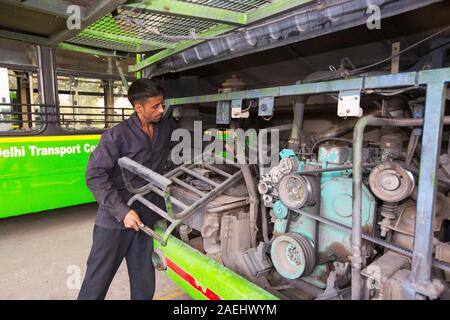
(132, 220)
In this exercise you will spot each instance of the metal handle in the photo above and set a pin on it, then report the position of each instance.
(151, 233)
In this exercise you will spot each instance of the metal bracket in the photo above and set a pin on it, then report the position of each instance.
(349, 103)
(236, 110)
(265, 106)
(223, 112)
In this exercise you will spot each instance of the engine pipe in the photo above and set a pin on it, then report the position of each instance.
(297, 125)
(358, 135)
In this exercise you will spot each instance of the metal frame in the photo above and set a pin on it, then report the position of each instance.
(160, 185)
(190, 10)
(436, 83)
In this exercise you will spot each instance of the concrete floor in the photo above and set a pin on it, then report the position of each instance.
(43, 256)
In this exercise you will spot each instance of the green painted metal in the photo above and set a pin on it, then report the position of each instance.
(181, 46)
(274, 8)
(208, 274)
(126, 39)
(32, 183)
(98, 52)
(138, 59)
(191, 10)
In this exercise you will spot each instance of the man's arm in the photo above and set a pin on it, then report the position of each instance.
(98, 177)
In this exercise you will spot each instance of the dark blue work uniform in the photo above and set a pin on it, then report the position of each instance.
(112, 242)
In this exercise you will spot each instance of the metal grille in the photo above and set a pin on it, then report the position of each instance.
(121, 34)
(234, 5)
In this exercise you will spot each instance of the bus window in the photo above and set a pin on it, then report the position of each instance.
(19, 101)
(81, 103)
(83, 106)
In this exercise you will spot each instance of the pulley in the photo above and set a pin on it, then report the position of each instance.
(293, 255)
(296, 190)
(390, 182)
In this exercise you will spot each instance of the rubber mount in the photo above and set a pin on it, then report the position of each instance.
(293, 255)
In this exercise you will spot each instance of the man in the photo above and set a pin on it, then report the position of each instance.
(144, 138)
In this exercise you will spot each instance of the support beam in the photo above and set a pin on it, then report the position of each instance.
(120, 38)
(190, 10)
(6, 34)
(426, 198)
(48, 85)
(63, 45)
(44, 6)
(273, 9)
(82, 49)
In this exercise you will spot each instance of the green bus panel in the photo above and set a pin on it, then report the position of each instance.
(43, 172)
(203, 278)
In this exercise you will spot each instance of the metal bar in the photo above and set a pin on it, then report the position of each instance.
(55, 8)
(191, 10)
(274, 8)
(176, 170)
(122, 76)
(149, 204)
(198, 204)
(47, 81)
(217, 170)
(28, 38)
(363, 83)
(181, 46)
(145, 173)
(82, 49)
(212, 194)
(151, 233)
(337, 168)
(230, 206)
(127, 39)
(90, 74)
(174, 201)
(199, 176)
(188, 186)
(426, 199)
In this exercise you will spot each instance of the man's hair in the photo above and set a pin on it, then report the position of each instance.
(142, 89)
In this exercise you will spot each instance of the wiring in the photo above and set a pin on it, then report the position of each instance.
(400, 52)
(358, 70)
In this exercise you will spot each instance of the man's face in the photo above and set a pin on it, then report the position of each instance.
(150, 110)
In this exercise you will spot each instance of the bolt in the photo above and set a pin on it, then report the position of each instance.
(390, 182)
